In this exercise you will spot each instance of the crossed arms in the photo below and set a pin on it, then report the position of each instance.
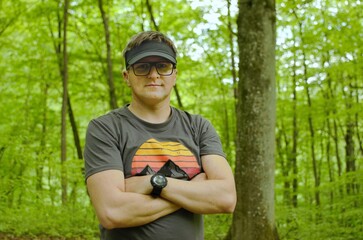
(121, 203)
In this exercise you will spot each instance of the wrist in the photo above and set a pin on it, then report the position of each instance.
(158, 182)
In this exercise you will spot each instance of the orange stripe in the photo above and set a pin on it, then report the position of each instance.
(143, 165)
(163, 151)
(164, 158)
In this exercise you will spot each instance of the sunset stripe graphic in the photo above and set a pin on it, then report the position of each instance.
(156, 154)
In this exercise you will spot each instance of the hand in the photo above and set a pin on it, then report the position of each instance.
(138, 184)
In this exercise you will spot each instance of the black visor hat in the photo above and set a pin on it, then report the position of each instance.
(147, 49)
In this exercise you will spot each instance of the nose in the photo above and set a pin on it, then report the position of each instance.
(153, 72)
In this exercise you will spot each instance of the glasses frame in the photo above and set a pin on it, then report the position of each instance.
(153, 64)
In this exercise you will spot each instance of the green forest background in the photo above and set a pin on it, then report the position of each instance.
(319, 130)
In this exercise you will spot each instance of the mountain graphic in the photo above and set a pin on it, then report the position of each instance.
(153, 155)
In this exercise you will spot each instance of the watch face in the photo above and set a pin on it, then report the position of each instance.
(159, 180)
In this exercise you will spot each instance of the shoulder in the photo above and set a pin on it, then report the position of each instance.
(110, 121)
(191, 118)
(112, 116)
(196, 122)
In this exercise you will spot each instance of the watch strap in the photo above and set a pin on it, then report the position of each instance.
(156, 191)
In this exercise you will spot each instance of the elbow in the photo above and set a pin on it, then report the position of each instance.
(231, 207)
(229, 203)
(109, 221)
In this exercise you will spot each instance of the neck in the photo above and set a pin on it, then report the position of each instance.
(151, 114)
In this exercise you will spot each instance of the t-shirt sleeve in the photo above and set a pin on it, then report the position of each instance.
(209, 141)
(101, 150)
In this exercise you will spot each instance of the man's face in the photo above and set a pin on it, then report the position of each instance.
(152, 88)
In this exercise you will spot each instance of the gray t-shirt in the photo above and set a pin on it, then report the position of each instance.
(119, 140)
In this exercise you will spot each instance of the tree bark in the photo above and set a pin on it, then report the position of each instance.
(64, 105)
(254, 215)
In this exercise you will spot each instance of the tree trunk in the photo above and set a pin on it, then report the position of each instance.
(110, 80)
(42, 144)
(254, 215)
(77, 141)
(231, 45)
(64, 106)
(349, 142)
(156, 27)
(152, 18)
(295, 136)
(58, 50)
(310, 117)
(283, 153)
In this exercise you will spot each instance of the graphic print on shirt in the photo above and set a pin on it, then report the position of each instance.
(155, 155)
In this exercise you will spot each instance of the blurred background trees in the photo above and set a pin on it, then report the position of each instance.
(319, 89)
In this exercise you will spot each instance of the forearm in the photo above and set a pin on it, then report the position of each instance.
(135, 209)
(203, 197)
(117, 208)
(210, 192)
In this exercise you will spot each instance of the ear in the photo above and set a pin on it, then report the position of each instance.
(125, 73)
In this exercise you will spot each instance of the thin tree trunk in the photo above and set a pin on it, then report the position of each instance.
(178, 97)
(335, 128)
(77, 141)
(64, 106)
(231, 45)
(152, 18)
(329, 162)
(349, 142)
(40, 152)
(110, 79)
(295, 136)
(310, 118)
(2, 150)
(156, 27)
(283, 153)
(254, 217)
(58, 50)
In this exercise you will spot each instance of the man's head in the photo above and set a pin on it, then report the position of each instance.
(149, 43)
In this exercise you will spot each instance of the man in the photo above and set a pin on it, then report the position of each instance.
(153, 170)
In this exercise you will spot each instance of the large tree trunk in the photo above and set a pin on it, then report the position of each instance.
(254, 215)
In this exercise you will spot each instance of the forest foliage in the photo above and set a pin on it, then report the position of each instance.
(319, 88)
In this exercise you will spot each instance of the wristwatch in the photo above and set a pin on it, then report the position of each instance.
(158, 182)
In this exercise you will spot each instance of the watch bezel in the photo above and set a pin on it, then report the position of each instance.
(157, 186)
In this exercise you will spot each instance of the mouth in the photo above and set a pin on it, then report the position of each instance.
(153, 85)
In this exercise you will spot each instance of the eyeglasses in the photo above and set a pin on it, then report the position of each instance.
(144, 68)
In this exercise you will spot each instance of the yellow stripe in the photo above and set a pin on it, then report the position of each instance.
(164, 151)
(169, 145)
